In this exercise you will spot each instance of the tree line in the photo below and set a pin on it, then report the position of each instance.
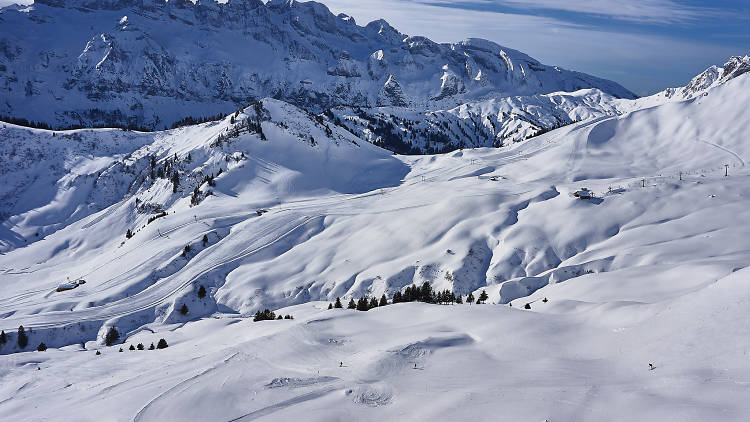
(412, 293)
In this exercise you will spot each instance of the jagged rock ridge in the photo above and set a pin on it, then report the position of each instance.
(150, 63)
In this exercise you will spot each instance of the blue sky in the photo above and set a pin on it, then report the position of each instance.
(646, 45)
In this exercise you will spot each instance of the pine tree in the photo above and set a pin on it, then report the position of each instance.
(151, 347)
(131, 347)
(162, 344)
(362, 304)
(184, 309)
(383, 300)
(482, 297)
(527, 306)
(205, 240)
(279, 317)
(129, 234)
(397, 297)
(411, 294)
(470, 298)
(98, 353)
(23, 340)
(373, 303)
(201, 292)
(175, 181)
(140, 346)
(459, 300)
(337, 304)
(330, 306)
(195, 198)
(3, 338)
(121, 350)
(42, 347)
(111, 337)
(351, 304)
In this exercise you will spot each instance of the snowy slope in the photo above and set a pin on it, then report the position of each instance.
(149, 64)
(346, 218)
(482, 362)
(652, 270)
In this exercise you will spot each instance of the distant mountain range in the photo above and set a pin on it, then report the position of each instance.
(150, 63)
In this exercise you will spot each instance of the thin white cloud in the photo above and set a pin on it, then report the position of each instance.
(648, 11)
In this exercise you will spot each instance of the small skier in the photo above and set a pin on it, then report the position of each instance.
(415, 365)
(651, 367)
(341, 364)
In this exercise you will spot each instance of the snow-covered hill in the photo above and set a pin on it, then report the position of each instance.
(312, 212)
(149, 64)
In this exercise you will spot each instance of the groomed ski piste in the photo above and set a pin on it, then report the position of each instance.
(651, 271)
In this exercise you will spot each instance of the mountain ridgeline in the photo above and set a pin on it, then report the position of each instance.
(148, 64)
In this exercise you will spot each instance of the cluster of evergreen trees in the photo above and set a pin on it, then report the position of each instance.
(400, 134)
(267, 315)
(364, 303)
(113, 336)
(156, 217)
(26, 123)
(22, 339)
(42, 125)
(245, 126)
(198, 195)
(110, 338)
(412, 293)
(542, 130)
(161, 344)
(169, 170)
(190, 121)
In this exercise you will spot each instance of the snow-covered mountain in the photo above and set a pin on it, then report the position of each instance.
(504, 120)
(488, 123)
(699, 85)
(150, 63)
(711, 77)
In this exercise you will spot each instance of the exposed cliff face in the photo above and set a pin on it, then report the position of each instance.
(149, 63)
